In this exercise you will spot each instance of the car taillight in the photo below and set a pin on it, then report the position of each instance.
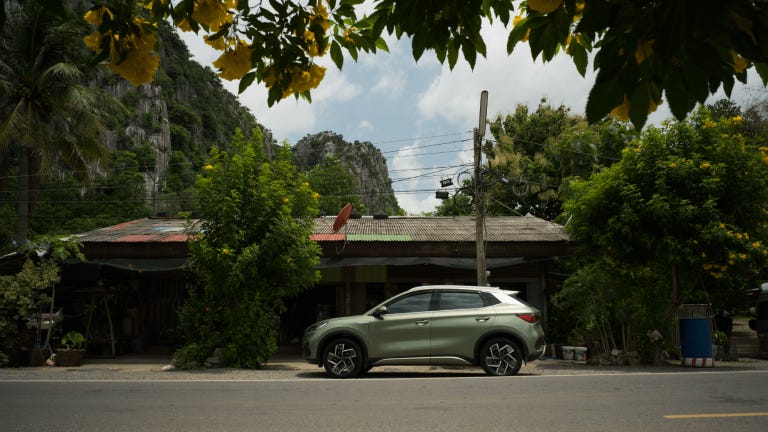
(528, 317)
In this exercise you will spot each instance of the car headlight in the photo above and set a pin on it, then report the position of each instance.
(316, 326)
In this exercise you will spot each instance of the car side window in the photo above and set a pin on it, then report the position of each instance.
(415, 303)
(460, 300)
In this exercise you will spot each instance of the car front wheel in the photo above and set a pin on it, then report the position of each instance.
(343, 358)
(501, 356)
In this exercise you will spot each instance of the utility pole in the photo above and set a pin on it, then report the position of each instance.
(479, 133)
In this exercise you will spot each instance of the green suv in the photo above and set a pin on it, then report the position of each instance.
(445, 325)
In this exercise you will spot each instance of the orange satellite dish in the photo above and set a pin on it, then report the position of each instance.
(342, 217)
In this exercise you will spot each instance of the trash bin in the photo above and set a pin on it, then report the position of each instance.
(760, 322)
(696, 335)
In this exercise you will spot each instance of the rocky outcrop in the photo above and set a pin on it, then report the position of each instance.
(365, 161)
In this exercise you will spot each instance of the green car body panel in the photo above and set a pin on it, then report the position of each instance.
(491, 328)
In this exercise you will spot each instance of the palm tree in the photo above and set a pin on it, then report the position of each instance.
(50, 119)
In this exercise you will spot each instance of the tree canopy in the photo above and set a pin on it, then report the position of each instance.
(49, 117)
(681, 50)
(680, 218)
(254, 251)
(687, 200)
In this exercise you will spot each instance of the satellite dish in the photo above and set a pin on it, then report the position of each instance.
(342, 217)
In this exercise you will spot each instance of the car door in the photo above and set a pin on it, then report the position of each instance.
(461, 318)
(403, 331)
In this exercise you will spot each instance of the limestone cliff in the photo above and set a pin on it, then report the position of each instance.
(365, 161)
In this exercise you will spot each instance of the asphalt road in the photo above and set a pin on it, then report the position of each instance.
(389, 401)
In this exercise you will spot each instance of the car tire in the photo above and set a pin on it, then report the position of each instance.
(343, 358)
(501, 356)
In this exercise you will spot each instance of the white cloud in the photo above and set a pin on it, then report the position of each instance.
(454, 96)
(390, 84)
(385, 97)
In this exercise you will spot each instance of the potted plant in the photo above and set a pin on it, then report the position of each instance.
(72, 353)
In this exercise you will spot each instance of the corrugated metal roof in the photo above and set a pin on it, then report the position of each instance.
(146, 230)
(365, 229)
(445, 229)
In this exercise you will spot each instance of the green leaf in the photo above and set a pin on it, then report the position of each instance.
(246, 81)
(469, 54)
(677, 95)
(419, 44)
(579, 56)
(762, 70)
(382, 44)
(453, 54)
(604, 96)
(336, 55)
(517, 34)
(638, 106)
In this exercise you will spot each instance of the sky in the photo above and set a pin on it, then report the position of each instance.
(420, 115)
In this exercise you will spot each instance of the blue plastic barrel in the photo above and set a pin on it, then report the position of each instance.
(696, 341)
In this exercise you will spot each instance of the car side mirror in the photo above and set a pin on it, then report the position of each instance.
(753, 324)
(380, 311)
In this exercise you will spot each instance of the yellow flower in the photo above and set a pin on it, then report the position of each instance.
(315, 195)
(93, 41)
(742, 256)
(644, 50)
(286, 200)
(756, 245)
(621, 112)
(544, 6)
(738, 119)
(738, 62)
(184, 25)
(208, 167)
(516, 20)
(220, 43)
(213, 14)
(704, 166)
(722, 225)
(225, 251)
(140, 61)
(96, 16)
(234, 63)
(312, 45)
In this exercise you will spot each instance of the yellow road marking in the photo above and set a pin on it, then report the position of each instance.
(692, 416)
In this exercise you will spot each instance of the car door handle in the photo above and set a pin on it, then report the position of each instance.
(422, 322)
(482, 319)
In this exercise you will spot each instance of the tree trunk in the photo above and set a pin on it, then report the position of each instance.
(22, 212)
(29, 183)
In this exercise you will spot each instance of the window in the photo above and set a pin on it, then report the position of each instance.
(415, 303)
(460, 300)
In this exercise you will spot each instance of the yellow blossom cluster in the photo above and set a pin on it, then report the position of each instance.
(213, 14)
(544, 6)
(132, 56)
(318, 17)
(621, 112)
(738, 62)
(235, 62)
(301, 80)
(644, 50)
(518, 19)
